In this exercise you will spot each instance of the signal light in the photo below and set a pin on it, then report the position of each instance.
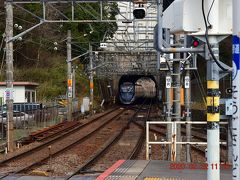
(139, 13)
(195, 43)
(229, 91)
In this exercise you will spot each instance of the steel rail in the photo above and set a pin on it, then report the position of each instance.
(71, 145)
(100, 152)
(41, 146)
(60, 130)
(65, 148)
(141, 138)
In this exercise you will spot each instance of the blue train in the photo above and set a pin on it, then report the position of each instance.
(129, 92)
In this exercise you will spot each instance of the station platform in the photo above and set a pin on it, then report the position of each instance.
(143, 170)
(161, 170)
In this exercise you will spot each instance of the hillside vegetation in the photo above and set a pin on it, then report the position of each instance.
(35, 58)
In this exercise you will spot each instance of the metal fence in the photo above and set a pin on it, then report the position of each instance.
(173, 140)
(26, 122)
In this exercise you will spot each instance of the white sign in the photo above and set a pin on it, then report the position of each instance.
(168, 82)
(9, 93)
(69, 94)
(187, 82)
(236, 49)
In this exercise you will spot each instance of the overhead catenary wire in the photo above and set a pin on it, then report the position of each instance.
(48, 40)
(207, 40)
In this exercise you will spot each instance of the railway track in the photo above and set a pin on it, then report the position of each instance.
(48, 132)
(51, 147)
(58, 129)
(48, 138)
(37, 155)
(142, 137)
(105, 150)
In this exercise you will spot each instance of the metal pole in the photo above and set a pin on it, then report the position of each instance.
(168, 113)
(91, 77)
(168, 98)
(25, 32)
(74, 82)
(213, 114)
(174, 146)
(147, 141)
(158, 60)
(69, 75)
(176, 104)
(187, 100)
(9, 75)
(236, 92)
(176, 98)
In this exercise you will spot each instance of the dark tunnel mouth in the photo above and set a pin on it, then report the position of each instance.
(132, 79)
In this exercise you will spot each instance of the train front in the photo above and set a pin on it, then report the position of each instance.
(127, 92)
(141, 88)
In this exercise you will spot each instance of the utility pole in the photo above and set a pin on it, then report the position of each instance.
(9, 75)
(236, 92)
(69, 76)
(91, 77)
(213, 113)
(213, 95)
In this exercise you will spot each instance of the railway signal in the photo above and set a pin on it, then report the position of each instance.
(193, 42)
(229, 91)
(139, 12)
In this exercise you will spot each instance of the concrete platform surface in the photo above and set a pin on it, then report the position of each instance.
(162, 170)
(143, 170)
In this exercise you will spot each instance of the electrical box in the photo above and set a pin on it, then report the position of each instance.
(185, 16)
(86, 104)
(226, 108)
